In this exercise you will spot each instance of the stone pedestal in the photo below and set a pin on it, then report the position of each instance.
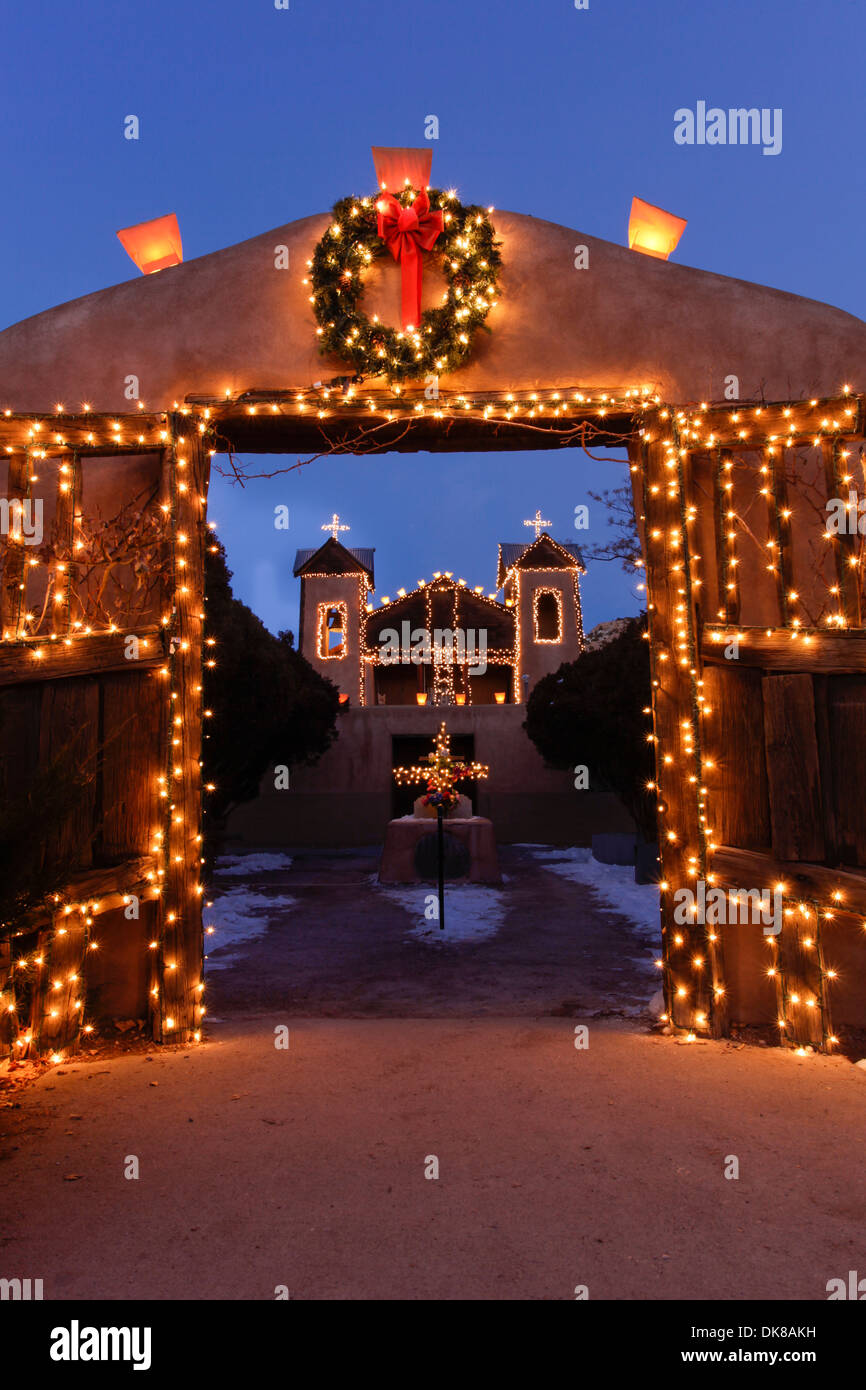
(402, 836)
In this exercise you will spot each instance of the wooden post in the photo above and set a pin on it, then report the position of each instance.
(726, 548)
(61, 999)
(694, 989)
(179, 983)
(12, 606)
(68, 508)
(845, 545)
(780, 534)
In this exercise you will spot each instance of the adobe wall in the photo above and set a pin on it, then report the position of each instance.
(231, 321)
(345, 799)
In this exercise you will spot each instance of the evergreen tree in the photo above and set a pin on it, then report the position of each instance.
(592, 713)
(269, 705)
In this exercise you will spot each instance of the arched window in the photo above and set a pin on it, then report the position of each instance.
(333, 624)
(548, 615)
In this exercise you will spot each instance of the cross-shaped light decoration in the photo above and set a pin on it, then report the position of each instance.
(441, 772)
(334, 527)
(538, 522)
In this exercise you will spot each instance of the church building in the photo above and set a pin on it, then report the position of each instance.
(402, 664)
(442, 643)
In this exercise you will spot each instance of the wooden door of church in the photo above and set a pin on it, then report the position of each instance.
(755, 587)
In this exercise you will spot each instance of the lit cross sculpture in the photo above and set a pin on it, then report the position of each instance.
(442, 772)
(334, 527)
(538, 522)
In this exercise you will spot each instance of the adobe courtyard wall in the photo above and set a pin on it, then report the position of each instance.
(345, 799)
(230, 321)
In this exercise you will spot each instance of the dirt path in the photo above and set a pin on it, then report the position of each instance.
(342, 951)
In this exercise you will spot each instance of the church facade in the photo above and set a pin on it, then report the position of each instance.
(443, 643)
(440, 651)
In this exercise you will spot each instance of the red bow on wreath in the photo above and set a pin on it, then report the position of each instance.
(407, 231)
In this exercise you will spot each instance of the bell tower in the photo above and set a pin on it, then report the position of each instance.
(335, 584)
(541, 580)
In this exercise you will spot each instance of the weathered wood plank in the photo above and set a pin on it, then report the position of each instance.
(787, 650)
(103, 890)
(20, 715)
(839, 888)
(829, 796)
(134, 730)
(737, 780)
(55, 659)
(70, 728)
(845, 761)
(793, 768)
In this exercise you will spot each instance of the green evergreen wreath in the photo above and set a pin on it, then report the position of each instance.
(467, 254)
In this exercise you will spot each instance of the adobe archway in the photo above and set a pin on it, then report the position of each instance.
(223, 352)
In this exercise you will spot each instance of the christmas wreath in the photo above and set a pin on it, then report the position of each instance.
(362, 230)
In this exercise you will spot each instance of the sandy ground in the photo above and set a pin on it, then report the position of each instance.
(558, 1166)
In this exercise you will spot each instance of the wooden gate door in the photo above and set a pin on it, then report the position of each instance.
(101, 613)
(751, 518)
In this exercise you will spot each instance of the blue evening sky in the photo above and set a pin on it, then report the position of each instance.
(252, 116)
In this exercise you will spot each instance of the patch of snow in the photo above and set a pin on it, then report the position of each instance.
(613, 883)
(656, 1005)
(472, 912)
(246, 865)
(238, 917)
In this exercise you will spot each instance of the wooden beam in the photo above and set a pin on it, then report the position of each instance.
(817, 883)
(52, 658)
(91, 432)
(745, 426)
(101, 890)
(787, 649)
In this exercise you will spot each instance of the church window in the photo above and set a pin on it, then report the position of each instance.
(333, 631)
(548, 615)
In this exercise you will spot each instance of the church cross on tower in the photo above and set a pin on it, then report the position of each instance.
(334, 527)
(538, 522)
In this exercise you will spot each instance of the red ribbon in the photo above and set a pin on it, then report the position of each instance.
(407, 231)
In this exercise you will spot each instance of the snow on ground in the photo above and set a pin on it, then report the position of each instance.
(246, 865)
(237, 917)
(472, 912)
(613, 885)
